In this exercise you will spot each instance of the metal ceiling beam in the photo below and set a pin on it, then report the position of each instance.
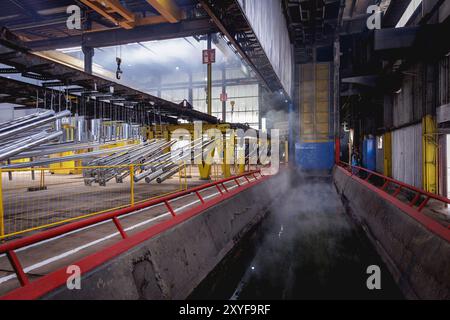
(25, 94)
(206, 6)
(107, 38)
(395, 38)
(17, 56)
(28, 11)
(168, 9)
(107, 9)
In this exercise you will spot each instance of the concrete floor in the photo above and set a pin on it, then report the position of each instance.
(67, 197)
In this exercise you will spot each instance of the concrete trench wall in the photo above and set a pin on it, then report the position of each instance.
(417, 258)
(172, 264)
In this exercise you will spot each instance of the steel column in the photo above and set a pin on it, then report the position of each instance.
(209, 76)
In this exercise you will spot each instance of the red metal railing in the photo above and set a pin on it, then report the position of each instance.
(419, 193)
(420, 199)
(10, 247)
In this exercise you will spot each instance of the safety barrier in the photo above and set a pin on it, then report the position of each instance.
(413, 200)
(37, 198)
(33, 289)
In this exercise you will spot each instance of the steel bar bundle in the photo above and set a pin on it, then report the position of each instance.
(20, 134)
(81, 156)
(150, 161)
(47, 149)
(172, 166)
(39, 120)
(117, 165)
(28, 143)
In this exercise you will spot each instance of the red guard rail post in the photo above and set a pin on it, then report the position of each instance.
(9, 248)
(413, 208)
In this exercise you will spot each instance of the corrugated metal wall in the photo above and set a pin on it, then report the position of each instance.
(444, 81)
(269, 24)
(408, 103)
(407, 155)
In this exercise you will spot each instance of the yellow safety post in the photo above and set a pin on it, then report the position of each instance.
(184, 187)
(226, 169)
(430, 155)
(286, 151)
(42, 179)
(2, 216)
(166, 136)
(242, 160)
(228, 155)
(132, 184)
(387, 157)
(205, 168)
(205, 171)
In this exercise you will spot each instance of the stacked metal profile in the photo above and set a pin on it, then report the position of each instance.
(28, 132)
(168, 164)
(152, 160)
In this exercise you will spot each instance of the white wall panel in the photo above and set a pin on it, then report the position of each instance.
(269, 24)
(407, 155)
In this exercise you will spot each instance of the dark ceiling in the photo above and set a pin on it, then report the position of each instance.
(44, 19)
(314, 23)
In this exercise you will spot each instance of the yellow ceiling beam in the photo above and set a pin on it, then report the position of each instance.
(149, 20)
(168, 9)
(117, 7)
(144, 21)
(113, 7)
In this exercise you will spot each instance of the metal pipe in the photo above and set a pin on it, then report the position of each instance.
(30, 145)
(47, 150)
(23, 141)
(168, 175)
(36, 116)
(48, 161)
(33, 125)
(154, 175)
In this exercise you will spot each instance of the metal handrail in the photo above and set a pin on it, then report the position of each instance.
(401, 185)
(9, 247)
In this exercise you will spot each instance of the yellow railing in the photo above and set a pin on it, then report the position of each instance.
(52, 199)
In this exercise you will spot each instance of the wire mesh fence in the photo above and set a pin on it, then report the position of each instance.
(38, 198)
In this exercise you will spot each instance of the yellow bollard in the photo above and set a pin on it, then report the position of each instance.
(185, 177)
(180, 178)
(430, 154)
(2, 217)
(42, 179)
(132, 184)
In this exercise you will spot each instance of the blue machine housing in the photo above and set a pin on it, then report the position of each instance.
(315, 156)
(369, 160)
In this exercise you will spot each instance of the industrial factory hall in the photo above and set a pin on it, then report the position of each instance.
(221, 158)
